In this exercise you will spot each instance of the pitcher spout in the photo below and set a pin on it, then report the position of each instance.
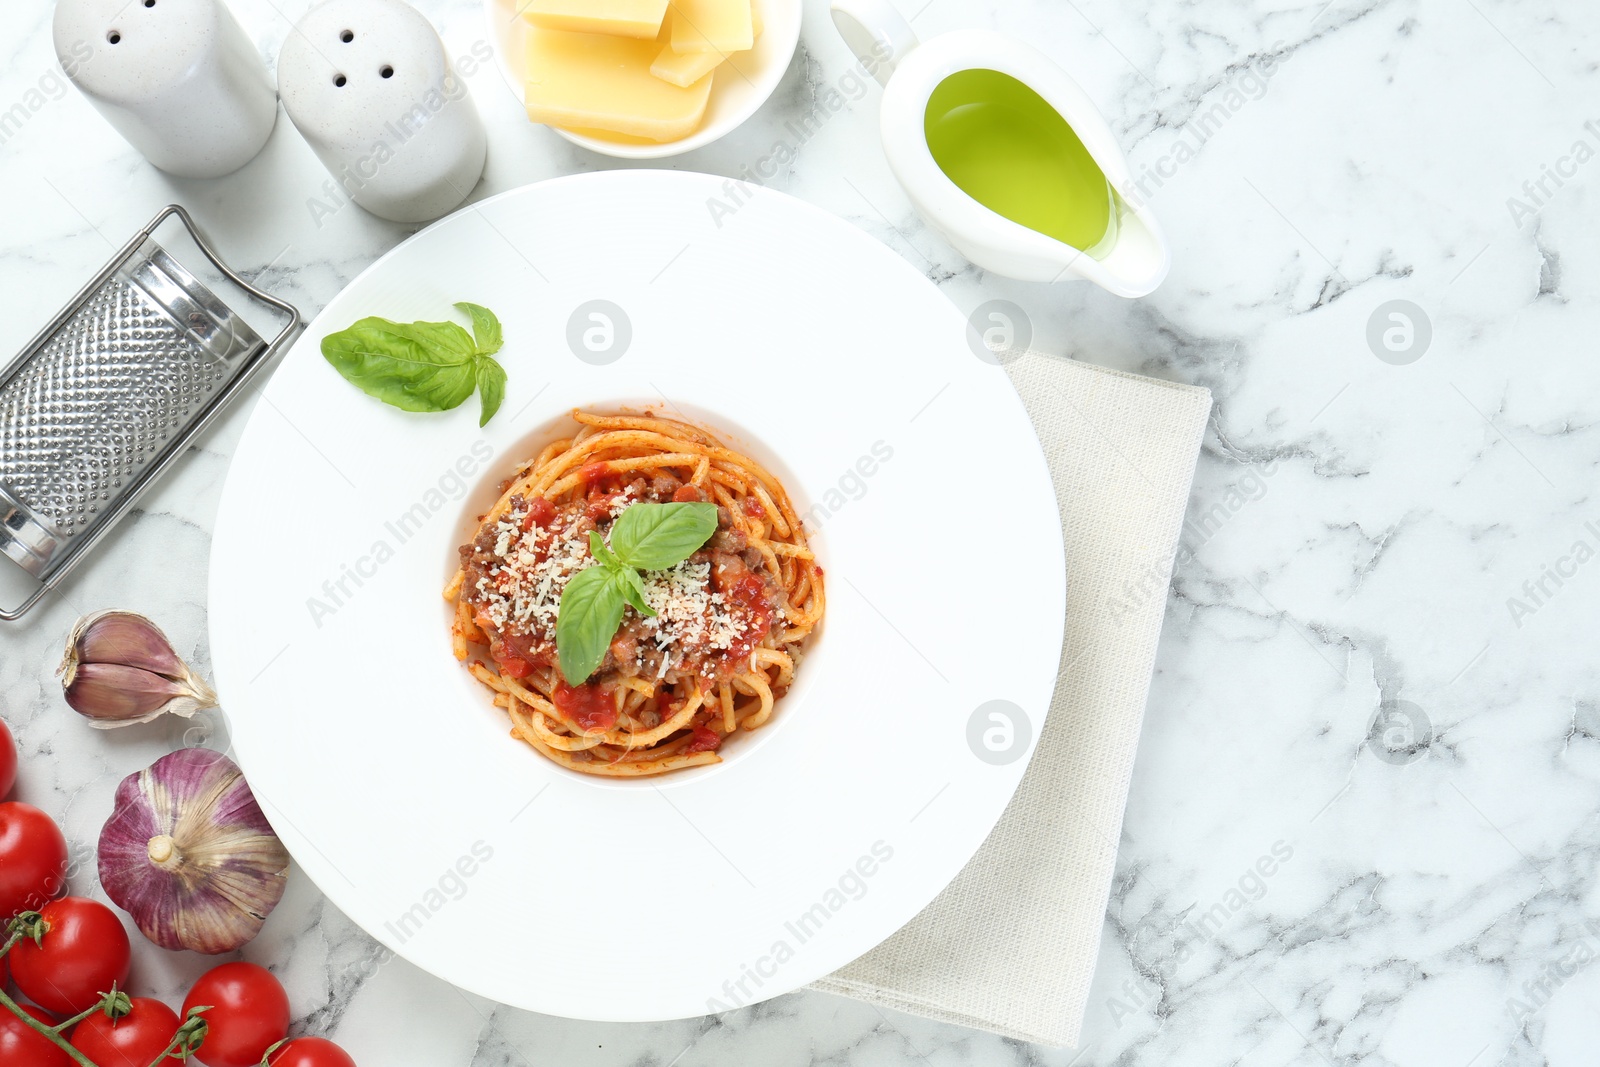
(1134, 264)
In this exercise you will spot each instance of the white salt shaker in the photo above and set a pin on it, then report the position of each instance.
(178, 79)
(368, 84)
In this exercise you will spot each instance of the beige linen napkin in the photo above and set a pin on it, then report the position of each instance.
(1010, 945)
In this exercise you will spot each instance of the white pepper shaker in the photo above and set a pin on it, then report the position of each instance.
(178, 79)
(368, 84)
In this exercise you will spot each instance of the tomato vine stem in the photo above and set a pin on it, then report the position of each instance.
(50, 1033)
(187, 1039)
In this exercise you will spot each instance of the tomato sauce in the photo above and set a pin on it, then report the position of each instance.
(703, 739)
(587, 706)
(540, 513)
(750, 596)
(515, 666)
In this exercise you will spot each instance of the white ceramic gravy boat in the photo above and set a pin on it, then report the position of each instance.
(1130, 261)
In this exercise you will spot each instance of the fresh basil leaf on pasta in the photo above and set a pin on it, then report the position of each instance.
(423, 366)
(485, 328)
(653, 537)
(633, 590)
(591, 610)
(645, 537)
(598, 549)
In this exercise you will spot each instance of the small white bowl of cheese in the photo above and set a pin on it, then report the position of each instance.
(643, 79)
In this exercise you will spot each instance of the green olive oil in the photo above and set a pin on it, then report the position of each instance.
(1009, 150)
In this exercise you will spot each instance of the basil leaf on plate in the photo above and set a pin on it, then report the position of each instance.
(653, 537)
(444, 337)
(491, 378)
(591, 610)
(423, 366)
(409, 369)
(485, 328)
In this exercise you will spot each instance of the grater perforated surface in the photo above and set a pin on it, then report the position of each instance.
(99, 402)
(109, 394)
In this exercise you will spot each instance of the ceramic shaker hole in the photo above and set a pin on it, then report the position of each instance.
(114, 37)
(386, 72)
(347, 37)
(339, 80)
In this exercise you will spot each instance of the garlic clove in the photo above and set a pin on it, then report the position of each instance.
(189, 854)
(110, 695)
(126, 638)
(119, 669)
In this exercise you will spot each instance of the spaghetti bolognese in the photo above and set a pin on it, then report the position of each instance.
(704, 649)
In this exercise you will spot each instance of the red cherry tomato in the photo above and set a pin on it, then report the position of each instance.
(21, 1046)
(135, 1040)
(249, 1014)
(83, 953)
(8, 760)
(33, 858)
(310, 1052)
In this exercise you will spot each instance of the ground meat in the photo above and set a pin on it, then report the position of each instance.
(727, 570)
(729, 539)
(663, 484)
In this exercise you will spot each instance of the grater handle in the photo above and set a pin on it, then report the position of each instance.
(13, 614)
(228, 272)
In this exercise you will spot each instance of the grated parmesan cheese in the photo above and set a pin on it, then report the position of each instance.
(620, 503)
(688, 613)
(534, 567)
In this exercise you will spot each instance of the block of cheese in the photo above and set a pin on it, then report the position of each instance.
(686, 68)
(620, 18)
(599, 82)
(608, 135)
(712, 26)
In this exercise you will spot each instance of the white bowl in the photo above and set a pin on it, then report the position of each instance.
(385, 768)
(742, 84)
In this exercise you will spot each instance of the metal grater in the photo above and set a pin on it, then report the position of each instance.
(110, 393)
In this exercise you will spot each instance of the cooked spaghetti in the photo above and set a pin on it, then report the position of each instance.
(730, 621)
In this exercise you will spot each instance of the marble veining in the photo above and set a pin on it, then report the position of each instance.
(1363, 824)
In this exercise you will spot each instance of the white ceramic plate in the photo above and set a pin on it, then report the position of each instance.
(395, 782)
(739, 87)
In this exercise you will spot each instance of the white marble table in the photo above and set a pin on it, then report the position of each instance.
(1410, 542)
